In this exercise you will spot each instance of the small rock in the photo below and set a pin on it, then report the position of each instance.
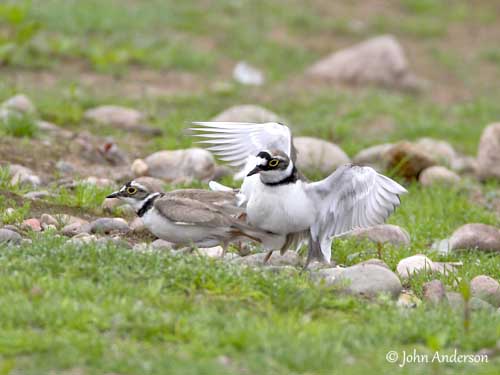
(408, 300)
(434, 292)
(248, 113)
(113, 154)
(464, 164)
(290, 258)
(65, 167)
(120, 117)
(407, 160)
(160, 244)
(476, 236)
(192, 163)
(47, 219)
(32, 224)
(488, 157)
(383, 233)
(108, 225)
(23, 176)
(99, 182)
(20, 103)
(246, 74)
(486, 288)
(438, 175)
(75, 228)
(379, 61)
(40, 194)
(109, 204)
(373, 157)
(365, 280)
(82, 239)
(210, 252)
(477, 304)
(137, 225)
(414, 264)
(139, 167)
(317, 154)
(9, 237)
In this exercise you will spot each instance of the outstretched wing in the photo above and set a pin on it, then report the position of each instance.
(235, 142)
(352, 197)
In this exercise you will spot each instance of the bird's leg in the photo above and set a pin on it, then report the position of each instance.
(268, 255)
(224, 249)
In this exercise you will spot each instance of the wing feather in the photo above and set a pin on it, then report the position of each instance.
(352, 197)
(235, 142)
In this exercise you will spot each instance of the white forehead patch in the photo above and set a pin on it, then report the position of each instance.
(138, 185)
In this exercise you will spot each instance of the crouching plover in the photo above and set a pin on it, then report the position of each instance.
(196, 217)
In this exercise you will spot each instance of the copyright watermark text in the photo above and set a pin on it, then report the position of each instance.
(403, 357)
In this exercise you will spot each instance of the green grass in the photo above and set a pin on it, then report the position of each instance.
(97, 310)
(113, 310)
(18, 125)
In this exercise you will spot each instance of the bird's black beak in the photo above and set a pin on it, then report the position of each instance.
(257, 169)
(116, 194)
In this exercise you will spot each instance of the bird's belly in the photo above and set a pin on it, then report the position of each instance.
(167, 230)
(281, 209)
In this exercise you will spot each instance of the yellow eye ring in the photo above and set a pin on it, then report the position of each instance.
(274, 163)
(131, 190)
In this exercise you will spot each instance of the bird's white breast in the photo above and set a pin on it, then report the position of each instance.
(280, 208)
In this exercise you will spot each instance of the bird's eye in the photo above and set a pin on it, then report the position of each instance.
(131, 190)
(274, 163)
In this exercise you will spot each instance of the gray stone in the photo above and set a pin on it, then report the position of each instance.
(373, 156)
(414, 264)
(120, 117)
(488, 156)
(486, 288)
(178, 165)
(160, 244)
(408, 300)
(476, 236)
(47, 219)
(375, 262)
(477, 304)
(20, 103)
(10, 237)
(40, 194)
(438, 175)
(23, 176)
(379, 61)
(320, 155)
(366, 280)
(290, 258)
(434, 292)
(75, 228)
(108, 225)
(248, 113)
(65, 167)
(383, 233)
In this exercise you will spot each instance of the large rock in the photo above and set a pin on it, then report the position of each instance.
(488, 157)
(475, 236)
(380, 61)
(178, 165)
(420, 263)
(438, 175)
(317, 154)
(486, 288)
(366, 280)
(9, 236)
(383, 233)
(247, 113)
(407, 160)
(120, 117)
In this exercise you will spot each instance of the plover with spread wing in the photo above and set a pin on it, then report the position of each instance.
(279, 201)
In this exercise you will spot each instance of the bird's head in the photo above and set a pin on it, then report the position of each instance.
(133, 193)
(273, 166)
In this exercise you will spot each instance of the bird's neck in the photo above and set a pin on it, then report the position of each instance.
(277, 178)
(147, 204)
